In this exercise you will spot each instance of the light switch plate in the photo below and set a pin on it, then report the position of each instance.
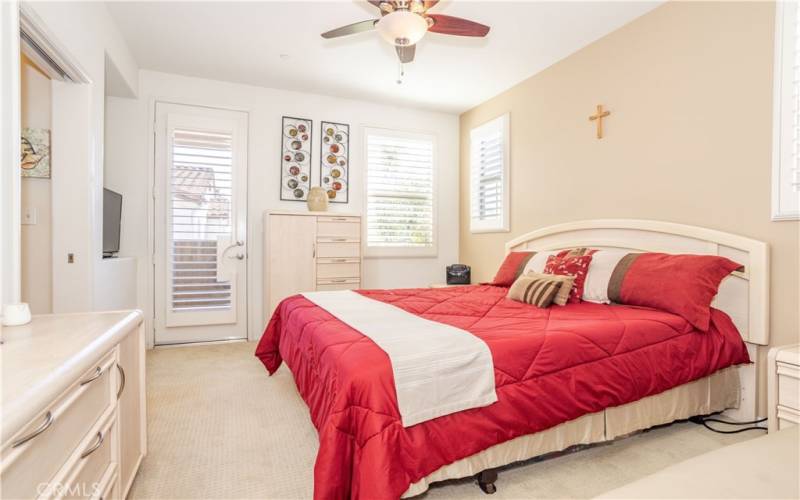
(29, 216)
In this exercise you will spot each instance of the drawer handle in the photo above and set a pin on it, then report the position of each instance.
(340, 260)
(121, 380)
(340, 218)
(339, 239)
(48, 421)
(97, 373)
(94, 447)
(339, 281)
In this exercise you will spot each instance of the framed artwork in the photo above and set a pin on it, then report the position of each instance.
(334, 158)
(295, 158)
(35, 153)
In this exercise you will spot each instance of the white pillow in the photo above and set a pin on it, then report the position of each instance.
(537, 262)
(595, 288)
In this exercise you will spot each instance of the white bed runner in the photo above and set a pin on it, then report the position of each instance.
(438, 369)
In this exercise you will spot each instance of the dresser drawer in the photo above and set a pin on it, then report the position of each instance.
(95, 463)
(338, 284)
(338, 227)
(44, 446)
(788, 385)
(332, 247)
(338, 268)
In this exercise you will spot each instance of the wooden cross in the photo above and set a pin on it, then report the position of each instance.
(599, 117)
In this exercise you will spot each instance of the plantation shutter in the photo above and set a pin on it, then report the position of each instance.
(399, 190)
(786, 172)
(489, 176)
(201, 183)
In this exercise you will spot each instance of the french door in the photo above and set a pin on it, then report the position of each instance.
(200, 241)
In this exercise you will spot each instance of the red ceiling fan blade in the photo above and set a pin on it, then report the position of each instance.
(449, 25)
(351, 29)
(406, 52)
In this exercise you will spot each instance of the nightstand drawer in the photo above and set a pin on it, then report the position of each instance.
(788, 385)
(338, 284)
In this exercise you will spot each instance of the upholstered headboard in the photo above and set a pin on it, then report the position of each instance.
(744, 296)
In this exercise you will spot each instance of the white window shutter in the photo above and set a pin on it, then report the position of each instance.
(400, 193)
(786, 154)
(489, 176)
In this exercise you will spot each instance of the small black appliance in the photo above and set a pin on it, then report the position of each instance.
(458, 274)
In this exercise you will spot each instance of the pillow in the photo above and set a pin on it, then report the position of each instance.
(511, 268)
(681, 284)
(563, 292)
(535, 289)
(539, 260)
(595, 288)
(576, 266)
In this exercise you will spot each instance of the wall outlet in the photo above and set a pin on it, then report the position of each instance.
(29, 216)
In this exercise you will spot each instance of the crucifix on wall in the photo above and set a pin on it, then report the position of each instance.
(598, 117)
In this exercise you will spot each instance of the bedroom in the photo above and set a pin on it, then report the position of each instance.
(195, 116)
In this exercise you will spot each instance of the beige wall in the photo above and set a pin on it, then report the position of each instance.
(36, 240)
(689, 86)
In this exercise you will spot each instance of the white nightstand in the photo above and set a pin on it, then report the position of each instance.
(444, 285)
(783, 386)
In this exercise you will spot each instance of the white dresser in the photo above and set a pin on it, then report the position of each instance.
(308, 251)
(783, 384)
(73, 406)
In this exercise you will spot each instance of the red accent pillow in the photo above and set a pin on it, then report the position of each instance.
(511, 268)
(577, 266)
(681, 284)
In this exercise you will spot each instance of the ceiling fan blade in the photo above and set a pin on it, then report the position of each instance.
(406, 52)
(449, 25)
(427, 4)
(351, 29)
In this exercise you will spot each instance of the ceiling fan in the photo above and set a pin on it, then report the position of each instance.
(404, 22)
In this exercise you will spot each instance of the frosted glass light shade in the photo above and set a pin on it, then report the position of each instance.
(402, 27)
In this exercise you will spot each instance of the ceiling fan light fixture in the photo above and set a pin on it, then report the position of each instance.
(402, 27)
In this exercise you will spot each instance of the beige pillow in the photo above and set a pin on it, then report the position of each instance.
(562, 296)
(536, 289)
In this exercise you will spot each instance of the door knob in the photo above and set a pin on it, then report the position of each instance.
(240, 256)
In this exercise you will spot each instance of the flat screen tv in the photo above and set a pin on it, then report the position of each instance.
(112, 213)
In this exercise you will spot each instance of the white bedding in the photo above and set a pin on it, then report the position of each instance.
(438, 369)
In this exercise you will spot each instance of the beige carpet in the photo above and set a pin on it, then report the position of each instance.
(219, 427)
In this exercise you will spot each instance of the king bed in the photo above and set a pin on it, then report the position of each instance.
(562, 376)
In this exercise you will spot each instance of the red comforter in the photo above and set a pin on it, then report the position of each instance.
(551, 365)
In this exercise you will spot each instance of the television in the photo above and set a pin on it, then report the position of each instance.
(112, 213)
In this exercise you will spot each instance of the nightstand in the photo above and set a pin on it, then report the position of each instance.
(445, 285)
(783, 386)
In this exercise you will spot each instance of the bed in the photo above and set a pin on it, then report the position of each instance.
(577, 374)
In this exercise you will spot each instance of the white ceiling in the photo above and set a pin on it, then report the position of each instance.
(277, 44)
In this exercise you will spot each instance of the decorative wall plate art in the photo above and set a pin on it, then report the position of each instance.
(334, 158)
(35, 153)
(295, 158)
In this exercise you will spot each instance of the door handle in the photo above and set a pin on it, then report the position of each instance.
(239, 256)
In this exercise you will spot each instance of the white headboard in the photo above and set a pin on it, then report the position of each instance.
(744, 296)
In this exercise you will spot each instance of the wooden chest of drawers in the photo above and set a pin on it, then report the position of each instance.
(783, 380)
(310, 251)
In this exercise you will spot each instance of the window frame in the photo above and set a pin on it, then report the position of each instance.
(402, 252)
(503, 224)
(783, 115)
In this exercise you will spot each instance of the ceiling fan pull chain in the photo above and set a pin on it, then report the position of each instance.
(401, 75)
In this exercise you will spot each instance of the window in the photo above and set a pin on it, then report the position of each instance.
(786, 169)
(400, 193)
(489, 167)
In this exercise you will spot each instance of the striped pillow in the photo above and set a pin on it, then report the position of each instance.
(535, 289)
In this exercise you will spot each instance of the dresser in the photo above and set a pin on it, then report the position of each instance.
(73, 406)
(310, 251)
(783, 385)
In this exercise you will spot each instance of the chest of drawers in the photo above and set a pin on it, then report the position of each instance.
(783, 382)
(310, 251)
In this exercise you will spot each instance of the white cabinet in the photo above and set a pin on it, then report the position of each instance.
(783, 380)
(310, 251)
(76, 416)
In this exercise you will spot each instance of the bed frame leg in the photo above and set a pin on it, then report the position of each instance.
(486, 480)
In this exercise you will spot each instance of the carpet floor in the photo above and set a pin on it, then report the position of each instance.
(219, 427)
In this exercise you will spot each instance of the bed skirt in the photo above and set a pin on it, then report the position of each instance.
(717, 392)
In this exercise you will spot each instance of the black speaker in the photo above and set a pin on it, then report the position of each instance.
(458, 274)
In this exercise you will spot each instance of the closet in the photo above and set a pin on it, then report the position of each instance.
(308, 251)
